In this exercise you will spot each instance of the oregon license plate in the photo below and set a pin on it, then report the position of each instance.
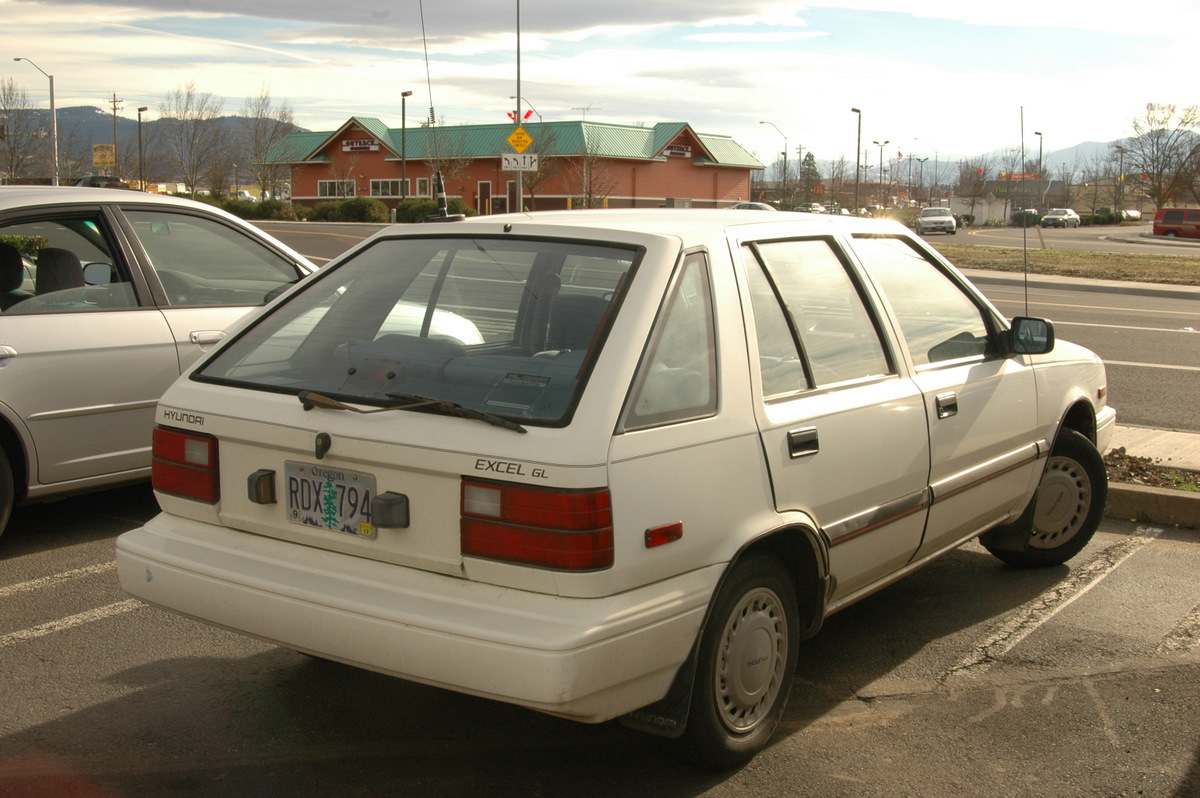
(330, 498)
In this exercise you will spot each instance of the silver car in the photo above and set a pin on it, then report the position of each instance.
(105, 297)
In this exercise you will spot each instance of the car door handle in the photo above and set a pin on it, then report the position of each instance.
(947, 405)
(203, 337)
(803, 442)
(7, 352)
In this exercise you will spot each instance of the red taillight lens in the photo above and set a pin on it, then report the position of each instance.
(185, 464)
(568, 530)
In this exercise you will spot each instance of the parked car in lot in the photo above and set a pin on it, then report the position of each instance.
(106, 296)
(811, 207)
(638, 457)
(1176, 222)
(936, 220)
(753, 206)
(1060, 217)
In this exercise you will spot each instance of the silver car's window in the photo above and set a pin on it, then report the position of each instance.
(838, 337)
(940, 322)
(61, 264)
(201, 261)
(507, 326)
(678, 377)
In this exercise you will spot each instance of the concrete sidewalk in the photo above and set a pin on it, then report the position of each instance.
(1163, 506)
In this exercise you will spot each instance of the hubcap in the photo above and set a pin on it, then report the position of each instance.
(1063, 499)
(751, 659)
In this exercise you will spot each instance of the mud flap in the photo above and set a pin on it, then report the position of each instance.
(668, 716)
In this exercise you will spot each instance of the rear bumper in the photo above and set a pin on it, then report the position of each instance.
(585, 659)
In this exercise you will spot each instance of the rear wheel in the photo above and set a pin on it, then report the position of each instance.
(1067, 507)
(7, 491)
(746, 662)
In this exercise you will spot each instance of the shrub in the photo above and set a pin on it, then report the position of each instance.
(26, 245)
(364, 209)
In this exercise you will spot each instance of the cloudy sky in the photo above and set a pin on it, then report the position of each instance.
(941, 79)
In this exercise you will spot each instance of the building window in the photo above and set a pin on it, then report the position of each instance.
(386, 188)
(422, 187)
(335, 188)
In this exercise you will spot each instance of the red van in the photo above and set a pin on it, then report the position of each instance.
(1177, 222)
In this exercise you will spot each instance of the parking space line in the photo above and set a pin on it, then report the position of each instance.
(107, 611)
(46, 581)
(1034, 614)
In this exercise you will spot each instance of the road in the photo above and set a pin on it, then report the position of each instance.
(1127, 238)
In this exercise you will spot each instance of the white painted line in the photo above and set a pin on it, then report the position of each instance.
(46, 581)
(1036, 613)
(69, 622)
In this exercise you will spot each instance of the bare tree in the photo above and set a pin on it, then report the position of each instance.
(343, 170)
(264, 124)
(973, 175)
(592, 179)
(20, 120)
(193, 137)
(1164, 148)
(840, 186)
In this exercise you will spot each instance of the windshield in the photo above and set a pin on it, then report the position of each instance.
(505, 326)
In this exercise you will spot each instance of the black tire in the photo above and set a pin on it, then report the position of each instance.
(1067, 507)
(8, 491)
(1171, 234)
(744, 667)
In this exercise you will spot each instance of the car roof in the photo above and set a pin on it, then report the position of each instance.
(667, 221)
(27, 196)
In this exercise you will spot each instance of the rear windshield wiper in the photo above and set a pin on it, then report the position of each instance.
(311, 399)
(456, 409)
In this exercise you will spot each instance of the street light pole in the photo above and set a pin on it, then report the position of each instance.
(857, 157)
(1040, 191)
(783, 182)
(53, 123)
(881, 145)
(921, 177)
(404, 95)
(141, 152)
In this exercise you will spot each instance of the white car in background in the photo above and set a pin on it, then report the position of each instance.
(641, 456)
(1060, 217)
(105, 297)
(936, 220)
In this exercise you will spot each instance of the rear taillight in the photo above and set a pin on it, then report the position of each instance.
(185, 464)
(569, 530)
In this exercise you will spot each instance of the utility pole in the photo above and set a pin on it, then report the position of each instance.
(116, 105)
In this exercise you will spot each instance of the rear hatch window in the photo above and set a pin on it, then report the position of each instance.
(504, 326)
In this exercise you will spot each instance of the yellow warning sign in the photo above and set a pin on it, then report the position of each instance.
(519, 139)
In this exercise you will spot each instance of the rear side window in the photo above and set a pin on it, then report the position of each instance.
(505, 326)
(1173, 216)
(201, 261)
(812, 324)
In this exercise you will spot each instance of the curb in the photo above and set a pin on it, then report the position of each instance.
(1162, 506)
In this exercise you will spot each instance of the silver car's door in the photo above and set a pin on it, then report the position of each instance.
(844, 433)
(82, 363)
(982, 408)
(210, 272)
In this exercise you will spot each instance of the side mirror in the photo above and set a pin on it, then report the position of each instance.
(97, 274)
(1030, 336)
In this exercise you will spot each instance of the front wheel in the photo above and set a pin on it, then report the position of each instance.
(8, 491)
(745, 665)
(1067, 507)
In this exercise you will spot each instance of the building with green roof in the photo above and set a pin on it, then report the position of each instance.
(558, 164)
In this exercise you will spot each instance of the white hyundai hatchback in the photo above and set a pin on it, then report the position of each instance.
(612, 464)
(105, 297)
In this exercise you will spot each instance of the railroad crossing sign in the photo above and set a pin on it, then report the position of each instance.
(519, 139)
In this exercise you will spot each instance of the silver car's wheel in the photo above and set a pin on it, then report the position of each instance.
(8, 491)
(745, 663)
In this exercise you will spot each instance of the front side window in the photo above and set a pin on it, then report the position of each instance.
(505, 326)
(940, 322)
(202, 261)
(814, 328)
(61, 264)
